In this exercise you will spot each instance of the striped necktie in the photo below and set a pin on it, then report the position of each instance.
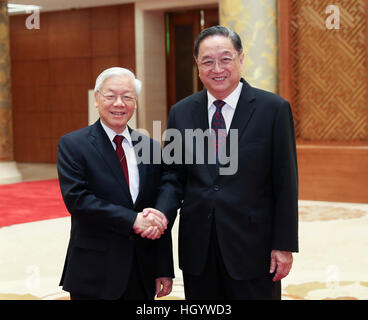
(219, 126)
(121, 155)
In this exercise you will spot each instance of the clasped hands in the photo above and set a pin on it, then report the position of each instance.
(150, 223)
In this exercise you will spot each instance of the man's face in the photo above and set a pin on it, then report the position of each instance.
(219, 65)
(116, 102)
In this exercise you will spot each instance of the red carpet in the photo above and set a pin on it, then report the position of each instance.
(31, 201)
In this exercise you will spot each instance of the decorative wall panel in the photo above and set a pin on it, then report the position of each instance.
(329, 71)
(256, 24)
(54, 67)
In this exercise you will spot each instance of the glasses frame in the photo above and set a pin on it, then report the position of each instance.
(209, 64)
(112, 98)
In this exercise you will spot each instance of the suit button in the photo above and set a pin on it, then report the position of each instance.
(216, 187)
(131, 237)
(209, 216)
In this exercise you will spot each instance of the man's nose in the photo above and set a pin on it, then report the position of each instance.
(119, 100)
(218, 66)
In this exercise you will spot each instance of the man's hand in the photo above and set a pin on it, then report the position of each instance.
(281, 261)
(150, 223)
(163, 286)
(152, 232)
(157, 213)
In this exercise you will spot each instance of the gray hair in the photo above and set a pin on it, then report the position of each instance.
(117, 71)
(218, 31)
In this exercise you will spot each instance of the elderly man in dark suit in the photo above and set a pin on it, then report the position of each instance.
(105, 187)
(238, 228)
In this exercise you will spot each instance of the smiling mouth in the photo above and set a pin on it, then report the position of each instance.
(118, 113)
(219, 78)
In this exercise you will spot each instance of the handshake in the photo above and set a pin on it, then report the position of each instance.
(150, 224)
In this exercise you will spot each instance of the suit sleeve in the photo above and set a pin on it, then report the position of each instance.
(164, 256)
(285, 181)
(172, 181)
(164, 262)
(83, 203)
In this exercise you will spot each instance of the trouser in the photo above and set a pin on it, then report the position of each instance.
(215, 283)
(135, 289)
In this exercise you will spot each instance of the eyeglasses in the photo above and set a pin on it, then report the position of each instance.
(112, 98)
(211, 63)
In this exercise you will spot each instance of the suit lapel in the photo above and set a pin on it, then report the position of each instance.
(102, 143)
(244, 109)
(200, 114)
(243, 113)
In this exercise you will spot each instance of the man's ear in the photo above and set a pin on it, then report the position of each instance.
(96, 99)
(241, 57)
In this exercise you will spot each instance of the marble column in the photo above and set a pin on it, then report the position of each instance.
(8, 169)
(256, 23)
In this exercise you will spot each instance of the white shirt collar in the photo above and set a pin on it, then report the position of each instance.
(111, 133)
(231, 100)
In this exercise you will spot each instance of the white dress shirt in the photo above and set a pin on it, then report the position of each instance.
(130, 157)
(228, 109)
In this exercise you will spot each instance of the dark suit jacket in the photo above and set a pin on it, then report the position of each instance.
(102, 242)
(255, 209)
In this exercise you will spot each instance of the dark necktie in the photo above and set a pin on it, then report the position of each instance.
(121, 155)
(218, 123)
